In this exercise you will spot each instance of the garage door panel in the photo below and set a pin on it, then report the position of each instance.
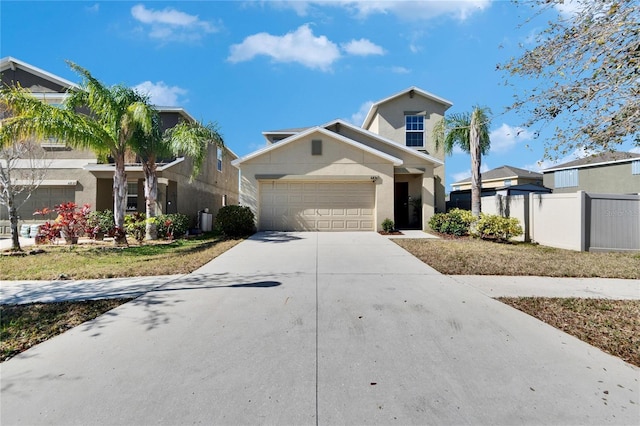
(322, 206)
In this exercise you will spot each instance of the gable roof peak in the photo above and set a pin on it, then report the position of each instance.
(9, 62)
(411, 91)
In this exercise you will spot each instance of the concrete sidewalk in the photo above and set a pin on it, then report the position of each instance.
(590, 288)
(317, 328)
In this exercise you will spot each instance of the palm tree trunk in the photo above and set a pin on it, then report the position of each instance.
(476, 158)
(150, 195)
(119, 199)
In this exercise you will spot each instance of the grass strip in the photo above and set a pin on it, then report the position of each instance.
(469, 256)
(611, 325)
(88, 261)
(24, 326)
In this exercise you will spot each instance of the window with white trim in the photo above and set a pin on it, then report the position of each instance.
(414, 130)
(566, 178)
(507, 182)
(132, 196)
(219, 159)
(635, 167)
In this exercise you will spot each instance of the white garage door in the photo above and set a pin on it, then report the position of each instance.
(316, 206)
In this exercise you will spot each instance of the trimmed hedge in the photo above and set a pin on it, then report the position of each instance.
(235, 221)
(491, 226)
(455, 222)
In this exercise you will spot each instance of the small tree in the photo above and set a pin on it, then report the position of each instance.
(471, 133)
(23, 166)
(185, 138)
(583, 69)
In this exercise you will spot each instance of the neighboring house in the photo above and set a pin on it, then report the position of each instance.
(504, 180)
(77, 175)
(608, 173)
(341, 177)
(500, 177)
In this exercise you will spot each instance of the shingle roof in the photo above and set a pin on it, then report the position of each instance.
(598, 159)
(504, 172)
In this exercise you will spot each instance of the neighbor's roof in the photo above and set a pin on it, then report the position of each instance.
(291, 131)
(414, 89)
(609, 157)
(12, 63)
(183, 112)
(504, 172)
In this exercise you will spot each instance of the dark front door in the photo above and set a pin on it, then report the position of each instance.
(401, 204)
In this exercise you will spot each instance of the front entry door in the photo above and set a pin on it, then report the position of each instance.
(401, 204)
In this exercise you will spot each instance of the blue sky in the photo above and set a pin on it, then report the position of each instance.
(253, 66)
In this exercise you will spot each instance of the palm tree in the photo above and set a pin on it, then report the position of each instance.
(95, 116)
(470, 131)
(184, 139)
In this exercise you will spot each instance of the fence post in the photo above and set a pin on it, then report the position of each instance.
(582, 200)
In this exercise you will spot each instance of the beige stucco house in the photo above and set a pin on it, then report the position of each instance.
(77, 175)
(341, 177)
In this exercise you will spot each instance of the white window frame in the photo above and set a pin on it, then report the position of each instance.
(219, 159)
(416, 127)
(635, 167)
(565, 178)
(132, 195)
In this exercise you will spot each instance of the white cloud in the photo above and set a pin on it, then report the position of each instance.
(569, 8)
(400, 70)
(635, 150)
(160, 93)
(545, 164)
(414, 10)
(506, 137)
(298, 46)
(172, 25)
(95, 8)
(466, 174)
(362, 47)
(358, 118)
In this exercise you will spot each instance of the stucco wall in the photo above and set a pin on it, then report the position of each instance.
(338, 160)
(556, 220)
(390, 123)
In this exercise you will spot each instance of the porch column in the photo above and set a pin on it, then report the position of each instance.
(428, 197)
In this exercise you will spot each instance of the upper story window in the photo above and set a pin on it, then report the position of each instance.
(507, 182)
(414, 127)
(316, 147)
(635, 167)
(219, 158)
(566, 178)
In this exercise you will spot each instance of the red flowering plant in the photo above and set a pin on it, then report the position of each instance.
(70, 224)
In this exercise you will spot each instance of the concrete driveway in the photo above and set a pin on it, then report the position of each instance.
(317, 328)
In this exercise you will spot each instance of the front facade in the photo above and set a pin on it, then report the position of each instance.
(605, 173)
(341, 177)
(77, 175)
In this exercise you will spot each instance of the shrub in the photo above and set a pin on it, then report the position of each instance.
(388, 225)
(235, 221)
(437, 220)
(455, 222)
(173, 225)
(101, 222)
(71, 223)
(135, 225)
(492, 226)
